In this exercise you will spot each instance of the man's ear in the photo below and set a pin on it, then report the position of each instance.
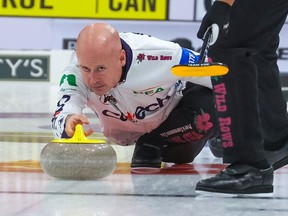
(123, 57)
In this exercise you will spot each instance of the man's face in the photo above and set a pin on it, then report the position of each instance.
(101, 71)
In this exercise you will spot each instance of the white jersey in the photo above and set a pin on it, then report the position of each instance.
(141, 101)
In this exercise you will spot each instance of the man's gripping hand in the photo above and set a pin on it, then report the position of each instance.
(74, 119)
(218, 14)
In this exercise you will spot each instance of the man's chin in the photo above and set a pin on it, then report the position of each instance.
(98, 93)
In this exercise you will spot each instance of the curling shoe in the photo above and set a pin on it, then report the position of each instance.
(239, 179)
(146, 155)
(215, 146)
(278, 158)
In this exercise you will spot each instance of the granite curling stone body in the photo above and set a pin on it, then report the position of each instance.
(78, 158)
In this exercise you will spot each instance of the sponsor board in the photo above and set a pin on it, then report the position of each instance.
(88, 9)
(24, 67)
(69, 43)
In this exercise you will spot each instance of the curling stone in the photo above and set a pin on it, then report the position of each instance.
(78, 157)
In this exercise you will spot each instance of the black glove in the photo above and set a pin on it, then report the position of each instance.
(217, 14)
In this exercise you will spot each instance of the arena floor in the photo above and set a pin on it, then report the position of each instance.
(25, 111)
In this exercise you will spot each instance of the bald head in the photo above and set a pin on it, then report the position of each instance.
(97, 37)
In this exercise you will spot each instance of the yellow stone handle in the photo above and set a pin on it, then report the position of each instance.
(78, 138)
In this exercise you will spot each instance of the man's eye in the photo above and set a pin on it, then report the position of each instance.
(100, 69)
(85, 69)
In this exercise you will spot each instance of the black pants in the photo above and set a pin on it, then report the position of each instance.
(253, 111)
(184, 133)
